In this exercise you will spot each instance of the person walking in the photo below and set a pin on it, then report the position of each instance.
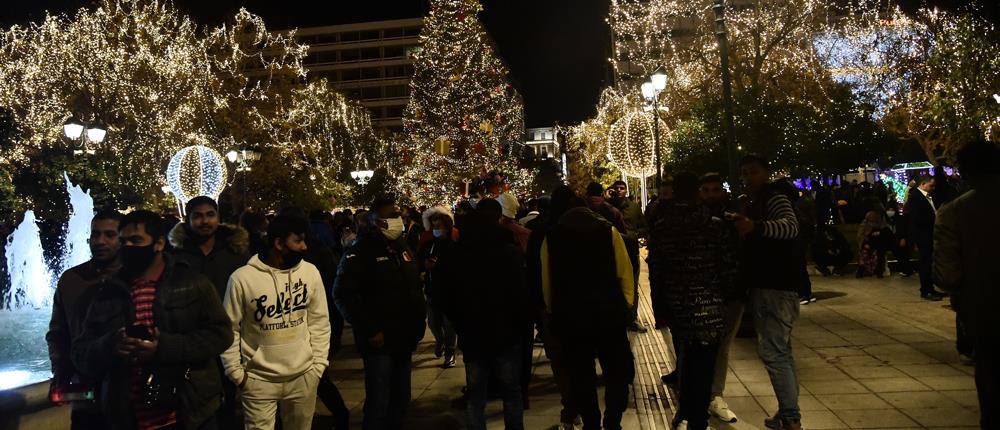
(439, 226)
(587, 288)
(74, 291)
(636, 230)
(921, 209)
(690, 273)
(378, 291)
(712, 194)
(965, 254)
(770, 266)
(281, 330)
(153, 335)
(491, 313)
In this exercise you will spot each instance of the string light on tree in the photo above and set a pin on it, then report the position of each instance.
(196, 171)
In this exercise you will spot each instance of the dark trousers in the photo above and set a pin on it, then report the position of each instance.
(697, 374)
(988, 380)
(925, 267)
(609, 345)
(331, 398)
(506, 368)
(387, 390)
(964, 342)
(903, 255)
(556, 352)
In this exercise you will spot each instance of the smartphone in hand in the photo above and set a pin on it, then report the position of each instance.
(138, 331)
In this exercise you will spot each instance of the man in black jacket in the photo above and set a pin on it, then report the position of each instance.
(587, 288)
(214, 250)
(491, 313)
(771, 268)
(378, 291)
(208, 247)
(153, 335)
(74, 292)
(922, 209)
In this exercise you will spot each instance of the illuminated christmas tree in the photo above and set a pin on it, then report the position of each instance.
(462, 109)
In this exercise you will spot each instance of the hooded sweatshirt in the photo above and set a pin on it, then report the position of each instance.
(272, 342)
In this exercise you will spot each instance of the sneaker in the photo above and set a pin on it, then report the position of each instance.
(804, 301)
(812, 299)
(720, 409)
(565, 426)
(683, 425)
(636, 327)
(933, 297)
(449, 360)
(670, 379)
(967, 360)
(778, 423)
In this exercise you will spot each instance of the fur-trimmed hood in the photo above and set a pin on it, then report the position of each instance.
(233, 236)
(436, 210)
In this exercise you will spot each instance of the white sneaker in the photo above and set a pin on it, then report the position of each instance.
(720, 409)
(683, 425)
(565, 426)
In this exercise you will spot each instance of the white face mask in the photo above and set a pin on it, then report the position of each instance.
(439, 233)
(394, 228)
(890, 214)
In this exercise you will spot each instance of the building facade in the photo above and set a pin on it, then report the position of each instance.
(543, 142)
(369, 62)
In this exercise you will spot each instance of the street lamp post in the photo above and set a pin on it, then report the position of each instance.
(651, 92)
(727, 91)
(79, 131)
(242, 159)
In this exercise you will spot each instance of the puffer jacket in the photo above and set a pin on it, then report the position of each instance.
(194, 330)
(232, 244)
(692, 265)
(378, 289)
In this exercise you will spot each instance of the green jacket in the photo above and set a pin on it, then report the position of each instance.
(194, 330)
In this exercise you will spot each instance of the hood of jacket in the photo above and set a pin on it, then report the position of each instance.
(436, 210)
(234, 237)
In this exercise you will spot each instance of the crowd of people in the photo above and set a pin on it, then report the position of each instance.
(198, 324)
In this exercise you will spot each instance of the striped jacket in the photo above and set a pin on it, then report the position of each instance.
(770, 257)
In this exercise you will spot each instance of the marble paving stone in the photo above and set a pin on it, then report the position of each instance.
(807, 402)
(870, 372)
(821, 420)
(938, 418)
(846, 386)
(828, 373)
(919, 399)
(966, 398)
(929, 370)
(889, 385)
(838, 402)
(875, 418)
(946, 383)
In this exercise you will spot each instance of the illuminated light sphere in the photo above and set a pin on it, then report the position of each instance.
(631, 144)
(196, 171)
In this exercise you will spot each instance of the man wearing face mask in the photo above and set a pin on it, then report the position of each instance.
(378, 292)
(73, 294)
(281, 330)
(152, 337)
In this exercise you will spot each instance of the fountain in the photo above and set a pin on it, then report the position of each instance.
(76, 250)
(27, 306)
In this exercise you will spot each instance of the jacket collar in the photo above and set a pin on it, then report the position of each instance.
(233, 237)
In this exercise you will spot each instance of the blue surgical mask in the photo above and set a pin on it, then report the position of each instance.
(440, 233)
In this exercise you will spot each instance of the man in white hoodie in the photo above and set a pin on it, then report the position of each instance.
(281, 330)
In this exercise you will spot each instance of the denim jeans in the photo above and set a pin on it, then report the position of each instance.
(505, 368)
(774, 314)
(387, 390)
(732, 317)
(441, 328)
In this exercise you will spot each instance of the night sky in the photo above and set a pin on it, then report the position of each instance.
(557, 50)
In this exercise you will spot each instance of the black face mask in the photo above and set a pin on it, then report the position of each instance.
(293, 258)
(136, 259)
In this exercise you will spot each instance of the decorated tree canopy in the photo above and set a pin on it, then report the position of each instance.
(462, 109)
